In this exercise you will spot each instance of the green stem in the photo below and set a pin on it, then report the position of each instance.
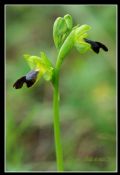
(58, 144)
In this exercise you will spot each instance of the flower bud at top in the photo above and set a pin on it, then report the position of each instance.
(68, 20)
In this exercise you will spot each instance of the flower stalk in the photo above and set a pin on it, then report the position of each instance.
(57, 136)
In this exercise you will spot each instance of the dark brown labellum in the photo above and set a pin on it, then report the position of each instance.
(96, 45)
(29, 79)
(19, 83)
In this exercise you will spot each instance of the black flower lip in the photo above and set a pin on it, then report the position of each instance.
(95, 45)
(29, 79)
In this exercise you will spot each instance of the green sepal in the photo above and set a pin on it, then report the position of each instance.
(34, 62)
(45, 59)
(81, 30)
(49, 68)
(80, 34)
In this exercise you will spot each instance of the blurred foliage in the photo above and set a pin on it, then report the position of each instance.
(87, 88)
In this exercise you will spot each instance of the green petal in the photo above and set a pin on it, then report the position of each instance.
(82, 47)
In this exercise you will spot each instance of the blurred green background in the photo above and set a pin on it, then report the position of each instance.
(87, 89)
